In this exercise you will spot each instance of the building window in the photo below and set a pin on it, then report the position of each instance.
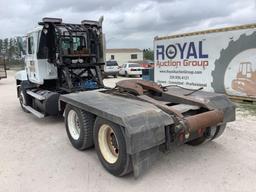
(134, 56)
(112, 57)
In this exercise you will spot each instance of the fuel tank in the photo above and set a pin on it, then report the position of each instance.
(49, 104)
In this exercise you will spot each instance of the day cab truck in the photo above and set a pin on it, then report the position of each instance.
(128, 125)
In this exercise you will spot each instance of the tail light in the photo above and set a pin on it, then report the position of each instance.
(133, 69)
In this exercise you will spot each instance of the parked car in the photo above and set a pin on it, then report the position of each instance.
(145, 63)
(111, 68)
(129, 69)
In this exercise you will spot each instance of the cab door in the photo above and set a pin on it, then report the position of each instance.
(30, 58)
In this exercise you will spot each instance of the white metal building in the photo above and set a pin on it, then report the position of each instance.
(122, 56)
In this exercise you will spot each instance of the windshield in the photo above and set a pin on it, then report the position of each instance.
(111, 63)
(134, 65)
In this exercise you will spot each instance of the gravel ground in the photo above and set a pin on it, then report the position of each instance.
(35, 155)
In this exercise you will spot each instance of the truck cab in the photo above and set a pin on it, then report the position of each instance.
(60, 58)
(37, 70)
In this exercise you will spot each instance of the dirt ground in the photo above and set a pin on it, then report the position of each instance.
(35, 155)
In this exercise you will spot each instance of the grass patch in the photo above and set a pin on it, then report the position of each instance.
(246, 109)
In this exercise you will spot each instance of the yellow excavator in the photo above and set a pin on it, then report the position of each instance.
(245, 81)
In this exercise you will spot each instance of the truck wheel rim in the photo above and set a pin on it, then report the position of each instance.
(73, 125)
(108, 144)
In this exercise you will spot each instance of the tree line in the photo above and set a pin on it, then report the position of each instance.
(148, 54)
(11, 49)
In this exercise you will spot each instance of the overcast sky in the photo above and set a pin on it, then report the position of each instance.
(128, 23)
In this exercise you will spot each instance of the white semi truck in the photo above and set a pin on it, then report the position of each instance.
(129, 124)
(220, 60)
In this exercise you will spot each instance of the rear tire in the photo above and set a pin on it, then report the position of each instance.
(115, 76)
(110, 146)
(79, 127)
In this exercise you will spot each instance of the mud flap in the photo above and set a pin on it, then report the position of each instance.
(143, 160)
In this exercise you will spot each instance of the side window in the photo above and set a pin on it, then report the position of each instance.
(124, 66)
(76, 43)
(30, 45)
(112, 57)
(134, 56)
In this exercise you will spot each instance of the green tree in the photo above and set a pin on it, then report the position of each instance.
(148, 54)
(10, 49)
(5, 45)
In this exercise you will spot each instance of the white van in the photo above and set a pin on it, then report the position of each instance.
(111, 68)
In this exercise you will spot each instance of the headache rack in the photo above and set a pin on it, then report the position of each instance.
(76, 49)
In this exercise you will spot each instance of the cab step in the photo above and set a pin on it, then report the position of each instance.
(33, 111)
